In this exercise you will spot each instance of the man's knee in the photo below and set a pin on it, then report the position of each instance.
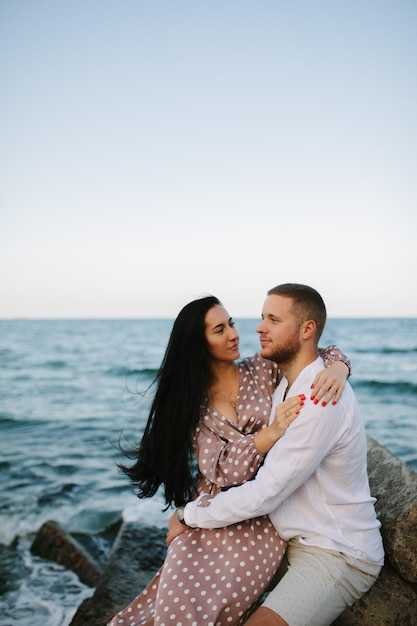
(265, 617)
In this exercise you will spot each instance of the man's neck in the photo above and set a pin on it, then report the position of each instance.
(292, 368)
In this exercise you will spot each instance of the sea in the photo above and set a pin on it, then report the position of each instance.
(73, 391)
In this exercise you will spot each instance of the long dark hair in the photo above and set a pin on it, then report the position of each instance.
(164, 455)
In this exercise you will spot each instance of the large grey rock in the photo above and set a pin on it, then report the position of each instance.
(136, 556)
(392, 601)
(394, 485)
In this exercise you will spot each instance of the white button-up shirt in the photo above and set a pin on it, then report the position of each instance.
(313, 484)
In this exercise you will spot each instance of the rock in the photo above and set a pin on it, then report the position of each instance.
(53, 543)
(394, 484)
(100, 543)
(392, 601)
(136, 556)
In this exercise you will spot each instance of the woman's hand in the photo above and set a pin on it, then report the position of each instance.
(175, 528)
(286, 412)
(330, 383)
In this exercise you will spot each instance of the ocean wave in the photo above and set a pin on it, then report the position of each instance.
(7, 420)
(385, 350)
(58, 494)
(27, 602)
(56, 364)
(393, 388)
(21, 378)
(6, 353)
(125, 371)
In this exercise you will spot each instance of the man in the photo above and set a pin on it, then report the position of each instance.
(313, 484)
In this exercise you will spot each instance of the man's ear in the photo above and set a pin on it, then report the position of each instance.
(308, 329)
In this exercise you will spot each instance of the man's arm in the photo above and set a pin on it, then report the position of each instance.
(288, 464)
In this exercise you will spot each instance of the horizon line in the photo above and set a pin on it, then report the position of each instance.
(169, 318)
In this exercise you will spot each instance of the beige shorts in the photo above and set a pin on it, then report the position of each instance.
(318, 585)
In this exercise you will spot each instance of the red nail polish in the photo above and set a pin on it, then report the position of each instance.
(297, 412)
(302, 396)
(334, 402)
(323, 403)
(301, 403)
(312, 387)
(315, 401)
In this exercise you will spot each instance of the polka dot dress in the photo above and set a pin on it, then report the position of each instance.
(213, 577)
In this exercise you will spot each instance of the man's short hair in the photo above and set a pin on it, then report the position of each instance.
(307, 304)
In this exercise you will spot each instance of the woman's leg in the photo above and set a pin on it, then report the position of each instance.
(213, 577)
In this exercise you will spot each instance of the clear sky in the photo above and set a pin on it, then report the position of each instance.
(155, 151)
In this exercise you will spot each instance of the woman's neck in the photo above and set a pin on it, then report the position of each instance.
(224, 391)
(224, 374)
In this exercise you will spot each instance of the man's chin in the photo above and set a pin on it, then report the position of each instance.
(265, 353)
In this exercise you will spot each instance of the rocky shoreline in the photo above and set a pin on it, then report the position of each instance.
(138, 551)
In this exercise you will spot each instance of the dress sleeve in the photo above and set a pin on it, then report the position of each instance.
(333, 353)
(225, 456)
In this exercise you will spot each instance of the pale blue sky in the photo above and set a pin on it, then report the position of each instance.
(152, 152)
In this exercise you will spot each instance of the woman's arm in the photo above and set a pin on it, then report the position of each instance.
(329, 383)
(285, 414)
(225, 455)
(228, 457)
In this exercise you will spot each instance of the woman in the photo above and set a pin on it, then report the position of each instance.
(208, 406)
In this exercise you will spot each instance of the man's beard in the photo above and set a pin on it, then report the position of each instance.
(286, 352)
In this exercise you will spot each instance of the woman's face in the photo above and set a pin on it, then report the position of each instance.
(221, 335)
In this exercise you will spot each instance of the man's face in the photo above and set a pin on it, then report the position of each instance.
(279, 332)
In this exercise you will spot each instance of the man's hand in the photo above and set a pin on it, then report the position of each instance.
(175, 528)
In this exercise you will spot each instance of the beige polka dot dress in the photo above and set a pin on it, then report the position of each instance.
(213, 577)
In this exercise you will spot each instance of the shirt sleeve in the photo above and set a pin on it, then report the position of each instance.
(333, 353)
(229, 460)
(287, 466)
